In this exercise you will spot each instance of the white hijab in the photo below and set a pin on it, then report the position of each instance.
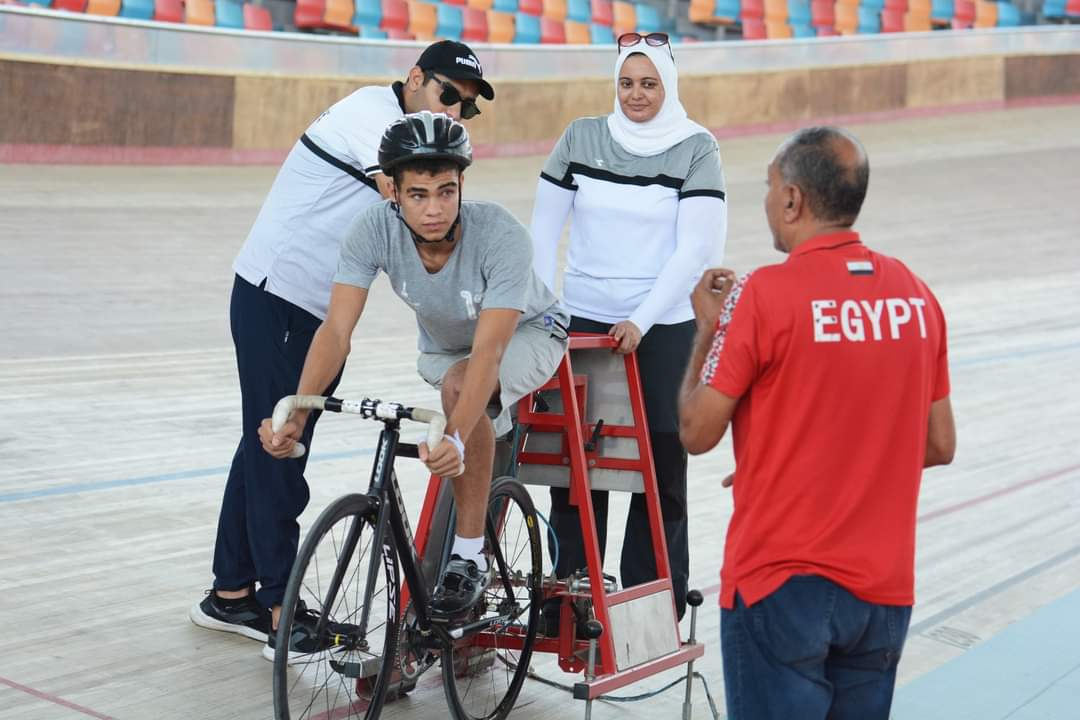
(670, 126)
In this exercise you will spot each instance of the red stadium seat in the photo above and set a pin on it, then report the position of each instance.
(753, 29)
(602, 14)
(169, 11)
(753, 9)
(395, 16)
(821, 13)
(892, 21)
(70, 5)
(308, 13)
(552, 32)
(393, 34)
(826, 31)
(901, 5)
(531, 7)
(474, 25)
(256, 17)
(963, 14)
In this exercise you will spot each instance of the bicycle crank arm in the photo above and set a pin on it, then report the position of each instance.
(473, 627)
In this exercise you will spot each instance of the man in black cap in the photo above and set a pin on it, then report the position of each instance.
(280, 296)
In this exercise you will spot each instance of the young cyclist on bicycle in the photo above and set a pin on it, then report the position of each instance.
(489, 330)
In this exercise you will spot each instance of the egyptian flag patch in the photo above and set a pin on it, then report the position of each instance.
(860, 267)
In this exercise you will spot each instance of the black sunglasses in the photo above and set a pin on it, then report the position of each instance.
(452, 96)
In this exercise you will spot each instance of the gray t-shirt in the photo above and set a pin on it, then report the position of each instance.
(491, 267)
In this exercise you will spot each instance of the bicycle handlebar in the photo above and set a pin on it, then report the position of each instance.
(367, 408)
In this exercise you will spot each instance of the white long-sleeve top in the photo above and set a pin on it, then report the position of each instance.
(643, 228)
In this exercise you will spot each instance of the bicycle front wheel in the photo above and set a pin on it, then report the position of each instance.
(483, 672)
(343, 596)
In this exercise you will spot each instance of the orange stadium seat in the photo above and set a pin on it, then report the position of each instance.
(111, 8)
(753, 29)
(847, 19)
(701, 11)
(423, 19)
(776, 11)
(920, 7)
(480, 4)
(500, 27)
(257, 17)
(169, 11)
(474, 25)
(777, 29)
(578, 33)
(339, 14)
(915, 22)
(624, 17)
(986, 14)
(602, 14)
(555, 10)
(198, 12)
(395, 16)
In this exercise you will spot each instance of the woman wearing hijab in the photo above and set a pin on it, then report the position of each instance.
(647, 193)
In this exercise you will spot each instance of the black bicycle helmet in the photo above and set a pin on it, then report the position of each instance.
(424, 135)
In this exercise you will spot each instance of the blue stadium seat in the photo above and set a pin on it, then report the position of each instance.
(450, 22)
(1008, 15)
(579, 11)
(510, 6)
(801, 30)
(41, 3)
(877, 5)
(648, 18)
(526, 29)
(1054, 8)
(869, 20)
(229, 14)
(601, 35)
(941, 10)
(368, 14)
(371, 32)
(727, 9)
(137, 9)
(798, 12)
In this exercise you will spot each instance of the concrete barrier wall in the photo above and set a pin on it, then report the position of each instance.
(85, 102)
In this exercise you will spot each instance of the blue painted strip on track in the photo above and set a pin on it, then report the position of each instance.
(206, 472)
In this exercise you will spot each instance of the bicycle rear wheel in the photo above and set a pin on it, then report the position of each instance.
(483, 672)
(330, 578)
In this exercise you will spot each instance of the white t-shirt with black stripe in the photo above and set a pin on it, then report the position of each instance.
(324, 183)
(643, 228)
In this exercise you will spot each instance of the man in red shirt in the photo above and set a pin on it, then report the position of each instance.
(832, 368)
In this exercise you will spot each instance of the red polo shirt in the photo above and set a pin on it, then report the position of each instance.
(835, 356)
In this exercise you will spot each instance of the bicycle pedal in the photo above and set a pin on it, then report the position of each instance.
(356, 668)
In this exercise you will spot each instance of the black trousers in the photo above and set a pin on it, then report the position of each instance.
(662, 357)
(258, 533)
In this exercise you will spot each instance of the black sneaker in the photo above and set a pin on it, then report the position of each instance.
(305, 647)
(242, 616)
(460, 587)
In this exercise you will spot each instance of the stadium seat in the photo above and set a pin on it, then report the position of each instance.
(986, 14)
(901, 5)
(169, 11)
(878, 5)
(776, 11)
(526, 29)
(624, 17)
(40, 3)
(726, 12)
(474, 25)
(1008, 15)
(846, 19)
(423, 19)
(800, 30)
(869, 21)
(701, 11)
(479, 4)
(371, 32)
(80, 5)
(941, 12)
(777, 30)
(826, 31)
(138, 9)
(230, 14)
(367, 13)
(449, 21)
(555, 10)
(532, 7)
(1072, 8)
(601, 35)
(507, 6)
(822, 14)
(308, 13)
(916, 22)
(580, 11)
(395, 16)
(500, 27)
(197, 12)
(752, 9)
(753, 29)
(799, 12)
(892, 21)
(577, 33)
(256, 17)
(399, 35)
(1053, 9)
(552, 32)
(648, 18)
(602, 13)
(111, 8)
(963, 13)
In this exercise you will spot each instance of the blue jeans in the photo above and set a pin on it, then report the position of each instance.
(811, 651)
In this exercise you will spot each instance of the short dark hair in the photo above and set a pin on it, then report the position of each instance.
(833, 189)
(424, 167)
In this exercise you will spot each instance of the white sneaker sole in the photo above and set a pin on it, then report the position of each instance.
(205, 621)
(299, 658)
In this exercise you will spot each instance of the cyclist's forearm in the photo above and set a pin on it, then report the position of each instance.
(481, 379)
(324, 361)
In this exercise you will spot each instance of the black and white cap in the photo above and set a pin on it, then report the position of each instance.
(455, 60)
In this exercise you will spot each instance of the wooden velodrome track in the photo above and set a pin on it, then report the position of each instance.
(119, 408)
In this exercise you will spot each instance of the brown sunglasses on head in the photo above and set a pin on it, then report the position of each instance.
(653, 39)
